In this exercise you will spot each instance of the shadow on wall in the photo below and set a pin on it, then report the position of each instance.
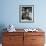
(2, 26)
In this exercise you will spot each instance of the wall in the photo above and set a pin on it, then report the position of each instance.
(10, 13)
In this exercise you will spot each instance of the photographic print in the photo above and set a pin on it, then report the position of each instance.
(26, 13)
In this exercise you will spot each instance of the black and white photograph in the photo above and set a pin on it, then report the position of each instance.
(26, 13)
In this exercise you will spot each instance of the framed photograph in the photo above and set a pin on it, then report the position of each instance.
(26, 13)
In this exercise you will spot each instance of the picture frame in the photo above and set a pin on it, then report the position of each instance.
(26, 13)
